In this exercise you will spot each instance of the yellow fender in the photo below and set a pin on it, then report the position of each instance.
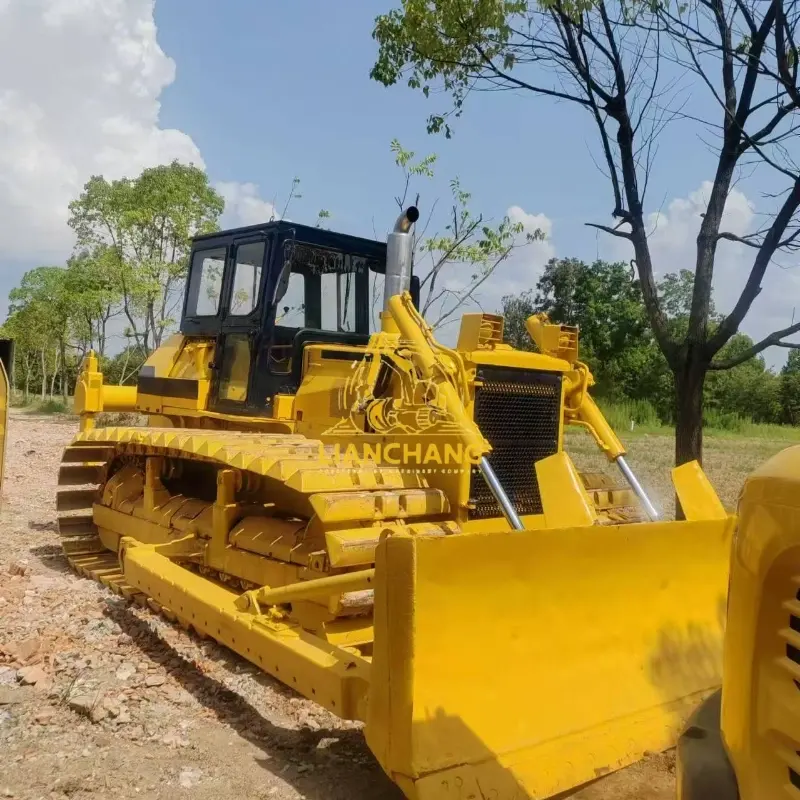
(5, 400)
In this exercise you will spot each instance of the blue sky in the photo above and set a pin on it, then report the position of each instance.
(267, 96)
(260, 92)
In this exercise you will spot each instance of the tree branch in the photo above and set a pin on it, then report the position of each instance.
(613, 231)
(774, 339)
(772, 239)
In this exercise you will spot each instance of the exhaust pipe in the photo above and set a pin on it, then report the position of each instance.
(399, 252)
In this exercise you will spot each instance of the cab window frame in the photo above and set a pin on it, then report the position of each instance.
(250, 318)
(194, 282)
(234, 326)
(312, 313)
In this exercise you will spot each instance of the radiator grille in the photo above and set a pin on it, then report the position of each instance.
(519, 412)
(789, 662)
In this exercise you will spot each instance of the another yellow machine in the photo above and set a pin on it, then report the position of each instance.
(743, 743)
(6, 369)
(392, 527)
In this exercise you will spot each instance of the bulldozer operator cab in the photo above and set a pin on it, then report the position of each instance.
(267, 291)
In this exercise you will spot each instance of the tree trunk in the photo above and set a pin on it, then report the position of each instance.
(44, 375)
(64, 373)
(27, 379)
(689, 381)
(53, 378)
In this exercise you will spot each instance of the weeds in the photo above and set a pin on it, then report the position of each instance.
(49, 406)
(630, 415)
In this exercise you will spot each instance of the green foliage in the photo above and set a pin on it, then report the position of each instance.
(141, 228)
(604, 300)
(93, 295)
(749, 390)
(49, 406)
(516, 309)
(790, 389)
(445, 41)
(405, 160)
(122, 369)
(627, 415)
(40, 312)
(675, 293)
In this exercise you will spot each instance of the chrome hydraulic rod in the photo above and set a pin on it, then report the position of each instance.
(649, 508)
(500, 495)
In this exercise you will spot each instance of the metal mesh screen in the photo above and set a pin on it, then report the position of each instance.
(519, 412)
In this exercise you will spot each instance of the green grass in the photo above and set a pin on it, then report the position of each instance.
(50, 406)
(716, 424)
(753, 430)
(620, 415)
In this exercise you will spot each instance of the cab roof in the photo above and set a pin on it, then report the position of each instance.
(306, 233)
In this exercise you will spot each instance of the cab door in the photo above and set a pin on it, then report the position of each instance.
(238, 341)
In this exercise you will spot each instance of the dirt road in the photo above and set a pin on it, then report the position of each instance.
(99, 699)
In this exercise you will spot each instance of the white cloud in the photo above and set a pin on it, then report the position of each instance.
(80, 82)
(526, 264)
(523, 268)
(673, 233)
(79, 88)
(244, 205)
(673, 246)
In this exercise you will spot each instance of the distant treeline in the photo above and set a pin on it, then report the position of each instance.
(604, 299)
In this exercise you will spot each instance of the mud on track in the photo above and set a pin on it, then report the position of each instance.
(101, 699)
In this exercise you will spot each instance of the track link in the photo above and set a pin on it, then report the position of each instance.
(300, 466)
(81, 545)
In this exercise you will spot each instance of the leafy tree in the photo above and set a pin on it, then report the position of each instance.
(145, 225)
(790, 389)
(675, 292)
(94, 296)
(29, 343)
(603, 300)
(123, 368)
(617, 61)
(40, 308)
(516, 309)
(749, 390)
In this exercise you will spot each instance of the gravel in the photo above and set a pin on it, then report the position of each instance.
(102, 699)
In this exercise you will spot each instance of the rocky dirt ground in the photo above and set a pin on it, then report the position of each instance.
(99, 699)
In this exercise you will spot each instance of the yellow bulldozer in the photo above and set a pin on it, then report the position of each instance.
(392, 527)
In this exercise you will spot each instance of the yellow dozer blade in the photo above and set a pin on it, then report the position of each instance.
(521, 664)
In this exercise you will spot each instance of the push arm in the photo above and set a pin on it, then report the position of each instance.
(428, 359)
(561, 341)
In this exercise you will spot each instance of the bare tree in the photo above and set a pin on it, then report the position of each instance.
(631, 66)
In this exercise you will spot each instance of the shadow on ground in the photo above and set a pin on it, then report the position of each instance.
(344, 770)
